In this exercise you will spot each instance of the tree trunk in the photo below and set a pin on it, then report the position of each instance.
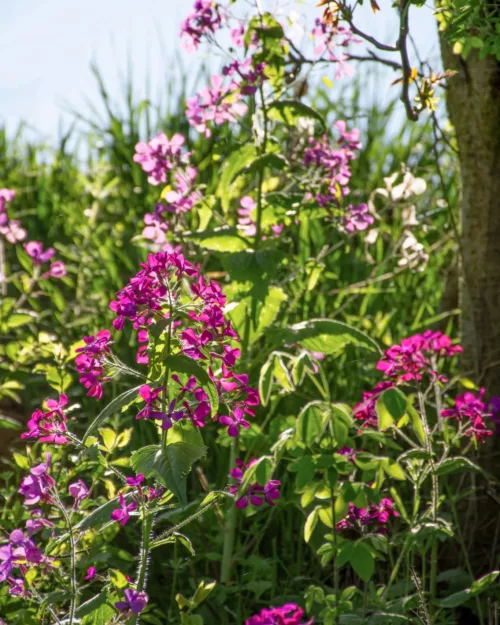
(473, 99)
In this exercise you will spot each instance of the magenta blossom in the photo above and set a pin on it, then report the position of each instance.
(91, 573)
(256, 494)
(288, 614)
(135, 601)
(234, 422)
(417, 356)
(122, 514)
(365, 411)
(37, 253)
(50, 426)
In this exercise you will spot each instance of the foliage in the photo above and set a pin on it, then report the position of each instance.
(227, 427)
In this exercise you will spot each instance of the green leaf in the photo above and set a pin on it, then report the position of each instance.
(390, 407)
(310, 525)
(453, 601)
(91, 605)
(482, 584)
(220, 240)
(416, 422)
(281, 373)
(453, 465)
(170, 465)
(260, 472)
(310, 423)
(233, 165)
(325, 335)
(102, 616)
(8, 423)
(290, 111)
(266, 382)
(18, 319)
(21, 461)
(362, 561)
(393, 469)
(114, 406)
(101, 515)
(183, 364)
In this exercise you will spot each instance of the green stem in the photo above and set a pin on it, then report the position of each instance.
(72, 544)
(434, 494)
(230, 526)
(143, 565)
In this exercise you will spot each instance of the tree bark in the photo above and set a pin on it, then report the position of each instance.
(473, 99)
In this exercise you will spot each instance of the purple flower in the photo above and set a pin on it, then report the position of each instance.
(205, 19)
(121, 514)
(357, 218)
(36, 486)
(134, 601)
(79, 491)
(255, 494)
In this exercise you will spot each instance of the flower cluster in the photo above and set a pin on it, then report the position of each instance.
(470, 407)
(205, 18)
(256, 494)
(9, 228)
(165, 161)
(39, 256)
(91, 362)
(417, 356)
(50, 426)
(376, 515)
(331, 43)
(332, 163)
(288, 614)
(216, 104)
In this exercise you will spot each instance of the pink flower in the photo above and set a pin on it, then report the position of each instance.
(49, 427)
(91, 573)
(122, 514)
(288, 614)
(37, 253)
(57, 270)
(234, 421)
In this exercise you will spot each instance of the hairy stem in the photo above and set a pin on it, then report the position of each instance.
(143, 565)
(230, 526)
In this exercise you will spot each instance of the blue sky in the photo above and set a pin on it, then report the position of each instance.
(47, 46)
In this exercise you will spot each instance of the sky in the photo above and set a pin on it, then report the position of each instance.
(47, 47)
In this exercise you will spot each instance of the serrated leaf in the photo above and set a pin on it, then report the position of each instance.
(183, 364)
(170, 465)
